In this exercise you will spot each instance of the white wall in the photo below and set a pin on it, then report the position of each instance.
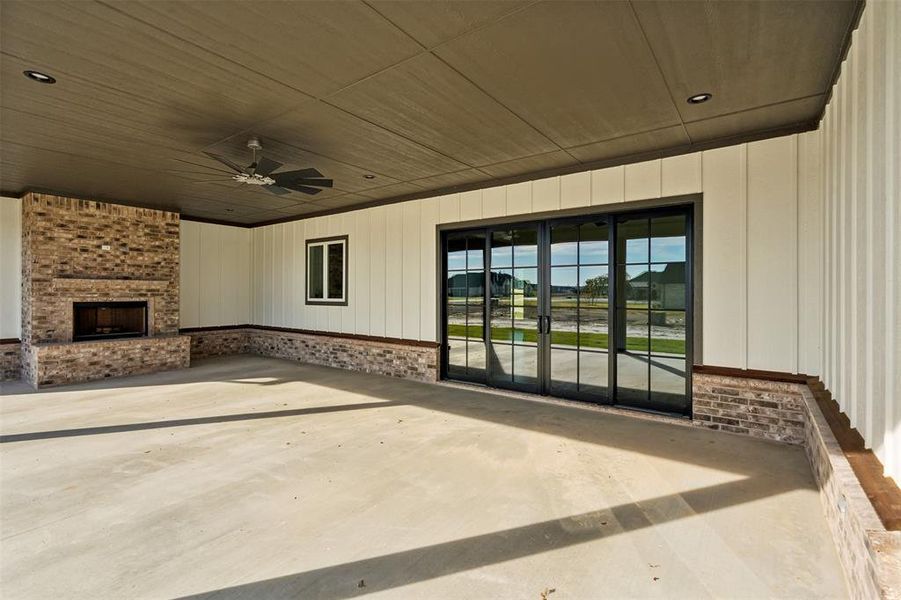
(215, 275)
(756, 218)
(861, 234)
(10, 267)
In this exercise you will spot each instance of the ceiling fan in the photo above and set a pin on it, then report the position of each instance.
(261, 172)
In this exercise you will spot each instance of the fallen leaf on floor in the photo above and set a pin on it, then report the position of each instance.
(362, 584)
(653, 566)
(656, 579)
(547, 592)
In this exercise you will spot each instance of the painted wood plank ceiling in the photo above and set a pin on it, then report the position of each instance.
(428, 97)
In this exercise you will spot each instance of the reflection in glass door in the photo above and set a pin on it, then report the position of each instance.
(465, 306)
(515, 349)
(591, 308)
(651, 308)
(579, 310)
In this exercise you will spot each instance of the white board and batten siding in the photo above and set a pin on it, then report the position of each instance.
(856, 200)
(753, 227)
(215, 283)
(10, 268)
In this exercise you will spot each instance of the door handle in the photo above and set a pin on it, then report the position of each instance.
(547, 326)
(540, 325)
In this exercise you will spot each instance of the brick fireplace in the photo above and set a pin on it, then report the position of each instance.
(104, 259)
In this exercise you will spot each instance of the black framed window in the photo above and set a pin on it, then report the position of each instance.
(327, 271)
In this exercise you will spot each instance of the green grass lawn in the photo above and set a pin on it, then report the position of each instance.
(569, 338)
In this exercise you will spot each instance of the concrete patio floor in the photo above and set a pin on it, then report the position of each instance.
(246, 477)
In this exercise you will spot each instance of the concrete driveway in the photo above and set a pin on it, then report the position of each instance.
(247, 477)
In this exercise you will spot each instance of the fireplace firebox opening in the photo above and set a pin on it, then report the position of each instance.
(108, 320)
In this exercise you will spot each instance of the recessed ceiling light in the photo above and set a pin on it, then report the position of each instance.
(39, 77)
(699, 98)
(367, 176)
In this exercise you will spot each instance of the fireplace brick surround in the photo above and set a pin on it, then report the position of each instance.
(85, 251)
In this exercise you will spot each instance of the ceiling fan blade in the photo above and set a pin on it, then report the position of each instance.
(278, 191)
(310, 172)
(266, 166)
(225, 162)
(187, 162)
(317, 182)
(300, 188)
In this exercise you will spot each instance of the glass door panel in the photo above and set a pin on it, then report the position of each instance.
(651, 302)
(515, 338)
(579, 310)
(465, 306)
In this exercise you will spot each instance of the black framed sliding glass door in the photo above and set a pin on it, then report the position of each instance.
(578, 365)
(515, 347)
(591, 308)
(652, 302)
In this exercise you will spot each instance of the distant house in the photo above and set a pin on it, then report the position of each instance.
(665, 289)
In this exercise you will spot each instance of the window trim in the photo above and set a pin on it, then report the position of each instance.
(325, 242)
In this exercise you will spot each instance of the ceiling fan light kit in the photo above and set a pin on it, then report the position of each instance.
(261, 172)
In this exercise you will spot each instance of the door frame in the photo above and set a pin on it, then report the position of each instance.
(692, 204)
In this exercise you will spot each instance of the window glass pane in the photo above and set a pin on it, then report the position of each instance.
(668, 332)
(457, 285)
(475, 359)
(632, 241)
(525, 249)
(564, 371)
(475, 252)
(668, 286)
(593, 367)
(564, 245)
(456, 317)
(501, 307)
(631, 379)
(668, 239)
(501, 249)
(475, 289)
(336, 271)
(456, 357)
(593, 243)
(314, 268)
(668, 383)
(501, 283)
(636, 331)
(475, 316)
(500, 363)
(633, 282)
(525, 364)
(564, 286)
(456, 253)
(564, 328)
(593, 328)
(593, 287)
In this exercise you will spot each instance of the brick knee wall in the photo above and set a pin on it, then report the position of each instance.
(205, 344)
(10, 362)
(393, 358)
(765, 409)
